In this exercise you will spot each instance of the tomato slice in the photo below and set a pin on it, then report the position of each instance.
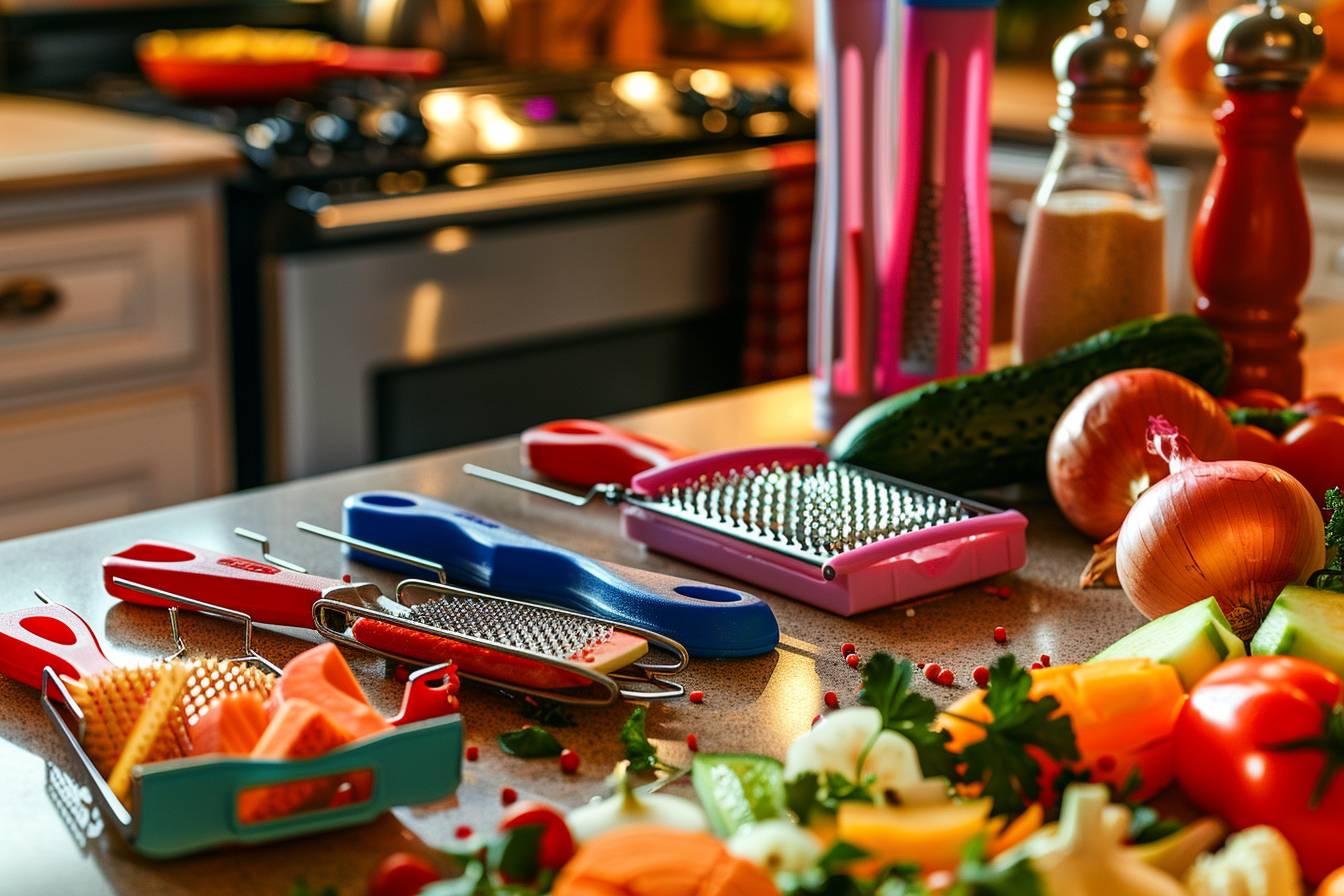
(1259, 398)
(402, 874)
(557, 844)
(1313, 452)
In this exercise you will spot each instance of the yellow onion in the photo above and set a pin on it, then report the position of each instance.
(1096, 461)
(1237, 530)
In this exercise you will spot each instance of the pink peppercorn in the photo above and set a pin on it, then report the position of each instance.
(831, 700)
(462, 832)
(569, 761)
(1035, 666)
(507, 796)
(1000, 634)
(847, 648)
(472, 753)
(853, 660)
(946, 677)
(931, 672)
(693, 743)
(696, 696)
(1045, 659)
(981, 677)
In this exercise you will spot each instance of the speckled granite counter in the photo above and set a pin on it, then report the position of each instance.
(757, 704)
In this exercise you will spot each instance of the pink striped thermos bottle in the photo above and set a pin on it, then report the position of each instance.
(902, 279)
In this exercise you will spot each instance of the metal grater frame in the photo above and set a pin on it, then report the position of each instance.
(334, 619)
(884, 569)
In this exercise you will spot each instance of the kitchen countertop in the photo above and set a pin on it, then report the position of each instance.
(755, 704)
(54, 144)
(1024, 98)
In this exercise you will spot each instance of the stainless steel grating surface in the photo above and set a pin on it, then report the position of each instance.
(534, 629)
(812, 512)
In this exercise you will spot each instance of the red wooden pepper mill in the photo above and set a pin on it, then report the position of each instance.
(1252, 242)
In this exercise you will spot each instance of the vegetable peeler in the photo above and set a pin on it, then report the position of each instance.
(188, 805)
(494, 640)
(586, 452)
(827, 533)
(475, 552)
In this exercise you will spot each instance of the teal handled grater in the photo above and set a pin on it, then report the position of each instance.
(190, 804)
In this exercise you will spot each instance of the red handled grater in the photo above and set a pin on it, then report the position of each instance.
(515, 645)
(788, 518)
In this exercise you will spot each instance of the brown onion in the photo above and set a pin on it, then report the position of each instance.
(1096, 461)
(1235, 529)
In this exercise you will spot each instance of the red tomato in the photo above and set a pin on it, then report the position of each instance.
(1230, 758)
(402, 874)
(1321, 404)
(1313, 452)
(557, 844)
(1257, 444)
(1259, 398)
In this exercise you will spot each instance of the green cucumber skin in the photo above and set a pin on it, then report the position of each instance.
(992, 429)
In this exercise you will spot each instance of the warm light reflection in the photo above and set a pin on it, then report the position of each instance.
(422, 321)
(714, 120)
(637, 88)
(442, 108)
(712, 83)
(767, 124)
(447, 240)
(496, 131)
(468, 174)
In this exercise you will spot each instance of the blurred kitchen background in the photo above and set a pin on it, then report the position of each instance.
(212, 278)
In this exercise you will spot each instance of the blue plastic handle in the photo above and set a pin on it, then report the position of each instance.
(479, 553)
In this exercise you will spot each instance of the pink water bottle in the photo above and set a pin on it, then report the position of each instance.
(937, 296)
(854, 87)
(902, 279)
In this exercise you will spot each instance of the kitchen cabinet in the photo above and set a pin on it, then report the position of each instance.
(113, 393)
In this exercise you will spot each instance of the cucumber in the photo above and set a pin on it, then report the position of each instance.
(1193, 639)
(1307, 623)
(738, 789)
(991, 429)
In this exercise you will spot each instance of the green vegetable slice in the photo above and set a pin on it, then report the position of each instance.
(530, 743)
(738, 789)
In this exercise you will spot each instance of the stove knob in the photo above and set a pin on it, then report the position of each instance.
(333, 130)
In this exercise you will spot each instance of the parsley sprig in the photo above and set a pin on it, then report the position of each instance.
(1002, 760)
(1332, 577)
(886, 687)
(642, 754)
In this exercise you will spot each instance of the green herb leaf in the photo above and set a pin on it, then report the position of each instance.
(643, 755)
(1001, 760)
(886, 687)
(977, 877)
(515, 855)
(839, 856)
(473, 881)
(800, 795)
(547, 712)
(300, 887)
(1147, 826)
(1332, 577)
(530, 743)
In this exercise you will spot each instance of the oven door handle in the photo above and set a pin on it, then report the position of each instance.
(539, 193)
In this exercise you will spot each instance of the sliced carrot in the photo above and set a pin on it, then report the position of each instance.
(320, 676)
(232, 724)
(299, 730)
(653, 861)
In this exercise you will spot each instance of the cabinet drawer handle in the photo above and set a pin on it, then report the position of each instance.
(28, 297)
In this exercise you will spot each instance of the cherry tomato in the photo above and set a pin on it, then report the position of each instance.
(557, 844)
(1231, 757)
(1321, 404)
(1313, 452)
(1332, 885)
(1255, 443)
(402, 874)
(1259, 398)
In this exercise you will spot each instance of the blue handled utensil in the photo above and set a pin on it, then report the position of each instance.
(479, 553)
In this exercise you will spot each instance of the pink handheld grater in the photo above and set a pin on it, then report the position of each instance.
(790, 519)
(926, 313)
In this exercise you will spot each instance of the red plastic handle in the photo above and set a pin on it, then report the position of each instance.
(51, 635)
(266, 593)
(430, 693)
(586, 452)
(345, 59)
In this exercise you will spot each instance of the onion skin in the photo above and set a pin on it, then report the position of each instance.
(1096, 461)
(1237, 530)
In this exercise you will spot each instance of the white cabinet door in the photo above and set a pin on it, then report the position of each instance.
(122, 295)
(77, 463)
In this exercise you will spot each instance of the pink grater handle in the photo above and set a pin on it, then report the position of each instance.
(961, 41)
(651, 482)
(899, 545)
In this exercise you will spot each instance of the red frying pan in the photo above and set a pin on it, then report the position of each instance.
(173, 63)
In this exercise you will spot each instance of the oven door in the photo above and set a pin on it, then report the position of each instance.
(462, 332)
